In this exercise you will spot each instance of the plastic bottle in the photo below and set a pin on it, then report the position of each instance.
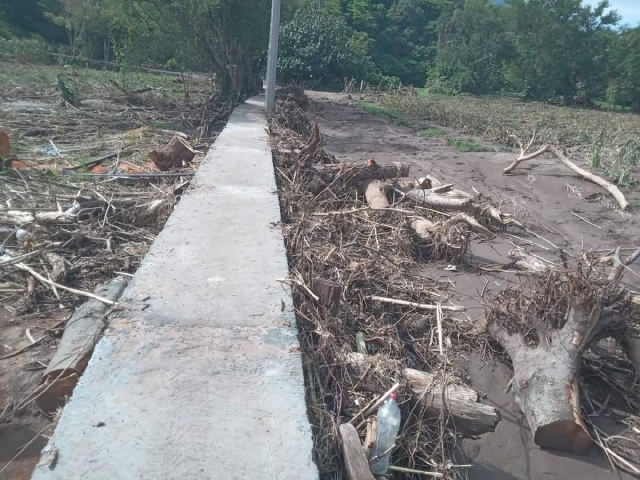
(388, 426)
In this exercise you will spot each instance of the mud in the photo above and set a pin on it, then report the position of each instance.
(537, 191)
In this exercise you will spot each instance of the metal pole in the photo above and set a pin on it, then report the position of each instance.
(272, 60)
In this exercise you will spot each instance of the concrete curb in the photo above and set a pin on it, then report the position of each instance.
(200, 375)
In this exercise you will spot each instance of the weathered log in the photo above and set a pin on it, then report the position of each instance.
(461, 403)
(17, 217)
(81, 334)
(375, 191)
(467, 416)
(545, 379)
(354, 455)
(434, 200)
(329, 293)
(177, 153)
(608, 186)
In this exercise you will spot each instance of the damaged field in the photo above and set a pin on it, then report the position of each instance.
(502, 307)
(93, 163)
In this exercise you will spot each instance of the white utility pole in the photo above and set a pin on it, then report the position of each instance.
(272, 60)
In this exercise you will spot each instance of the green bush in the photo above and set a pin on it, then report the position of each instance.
(316, 45)
(27, 50)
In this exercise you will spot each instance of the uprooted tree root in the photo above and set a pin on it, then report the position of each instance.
(343, 253)
(551, 329)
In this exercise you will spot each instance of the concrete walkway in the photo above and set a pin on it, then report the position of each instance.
(200, 376)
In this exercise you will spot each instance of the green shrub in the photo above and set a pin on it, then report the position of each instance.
(319, 46)
(26, 50)
(432, 133)
(467, 145)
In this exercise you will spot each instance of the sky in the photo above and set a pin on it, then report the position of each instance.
(629, 10)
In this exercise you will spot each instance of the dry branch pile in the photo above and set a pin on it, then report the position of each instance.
(80, 204)
(355, 247)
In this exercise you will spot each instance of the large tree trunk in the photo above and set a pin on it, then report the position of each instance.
(545, 375)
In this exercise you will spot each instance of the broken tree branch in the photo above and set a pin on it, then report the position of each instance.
(608, 186)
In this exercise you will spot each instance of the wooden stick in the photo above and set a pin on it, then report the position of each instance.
(370, 409)
(585, 220)
(50, 283)
(439, 322)
(417, 472)
(421, 306)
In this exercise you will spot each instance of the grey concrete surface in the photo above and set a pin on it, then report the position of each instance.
(199, 375)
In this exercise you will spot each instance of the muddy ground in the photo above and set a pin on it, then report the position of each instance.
(538, 192)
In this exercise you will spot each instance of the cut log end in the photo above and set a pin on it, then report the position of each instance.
(563, 435)
(375, 191)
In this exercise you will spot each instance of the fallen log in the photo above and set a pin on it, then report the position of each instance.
(432, 199)
(545, 342)
(18, 217)
(177, 153)
(81, 334)
(461, 404)
(354, 455)
(467, 415)
(375, 191)
(608, 186)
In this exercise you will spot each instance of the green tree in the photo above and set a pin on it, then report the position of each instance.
(558, 43)
(473, 48)
(22, 18)
(229, 37)
(320, 46)
(628, 69)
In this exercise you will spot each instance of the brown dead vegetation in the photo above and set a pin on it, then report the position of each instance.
(367, 230)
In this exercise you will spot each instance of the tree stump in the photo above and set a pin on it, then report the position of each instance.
(177, 153)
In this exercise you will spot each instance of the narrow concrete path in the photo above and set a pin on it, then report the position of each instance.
(199, 376)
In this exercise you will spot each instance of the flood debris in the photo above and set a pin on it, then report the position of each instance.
(567, 327)
(350, 241)
(80, 205)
